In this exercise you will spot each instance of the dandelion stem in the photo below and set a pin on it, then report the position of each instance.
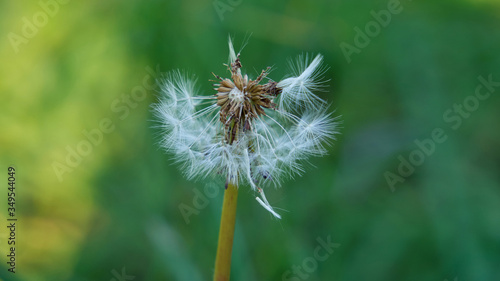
(226, 234)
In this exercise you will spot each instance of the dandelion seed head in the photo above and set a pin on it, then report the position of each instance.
(249, 131)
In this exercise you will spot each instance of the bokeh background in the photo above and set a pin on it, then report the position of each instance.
(116, 209)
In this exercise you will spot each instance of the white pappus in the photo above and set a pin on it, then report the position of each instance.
(250, 132)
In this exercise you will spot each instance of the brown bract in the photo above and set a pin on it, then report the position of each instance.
(242, 100)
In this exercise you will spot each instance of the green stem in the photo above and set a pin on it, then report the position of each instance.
(226, 234)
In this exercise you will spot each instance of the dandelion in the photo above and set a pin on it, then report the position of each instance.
(251, 132)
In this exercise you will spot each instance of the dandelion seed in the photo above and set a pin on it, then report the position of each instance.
(254, 132)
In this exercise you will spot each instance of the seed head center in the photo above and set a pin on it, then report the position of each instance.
(241, 100)
(236, 95)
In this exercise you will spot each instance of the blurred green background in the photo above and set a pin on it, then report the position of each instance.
(81, 68)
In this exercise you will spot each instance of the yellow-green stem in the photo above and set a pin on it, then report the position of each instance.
(226, 234)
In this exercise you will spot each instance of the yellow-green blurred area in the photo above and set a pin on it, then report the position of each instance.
(97, 199)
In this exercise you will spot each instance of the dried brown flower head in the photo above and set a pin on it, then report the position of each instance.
(241, 99)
